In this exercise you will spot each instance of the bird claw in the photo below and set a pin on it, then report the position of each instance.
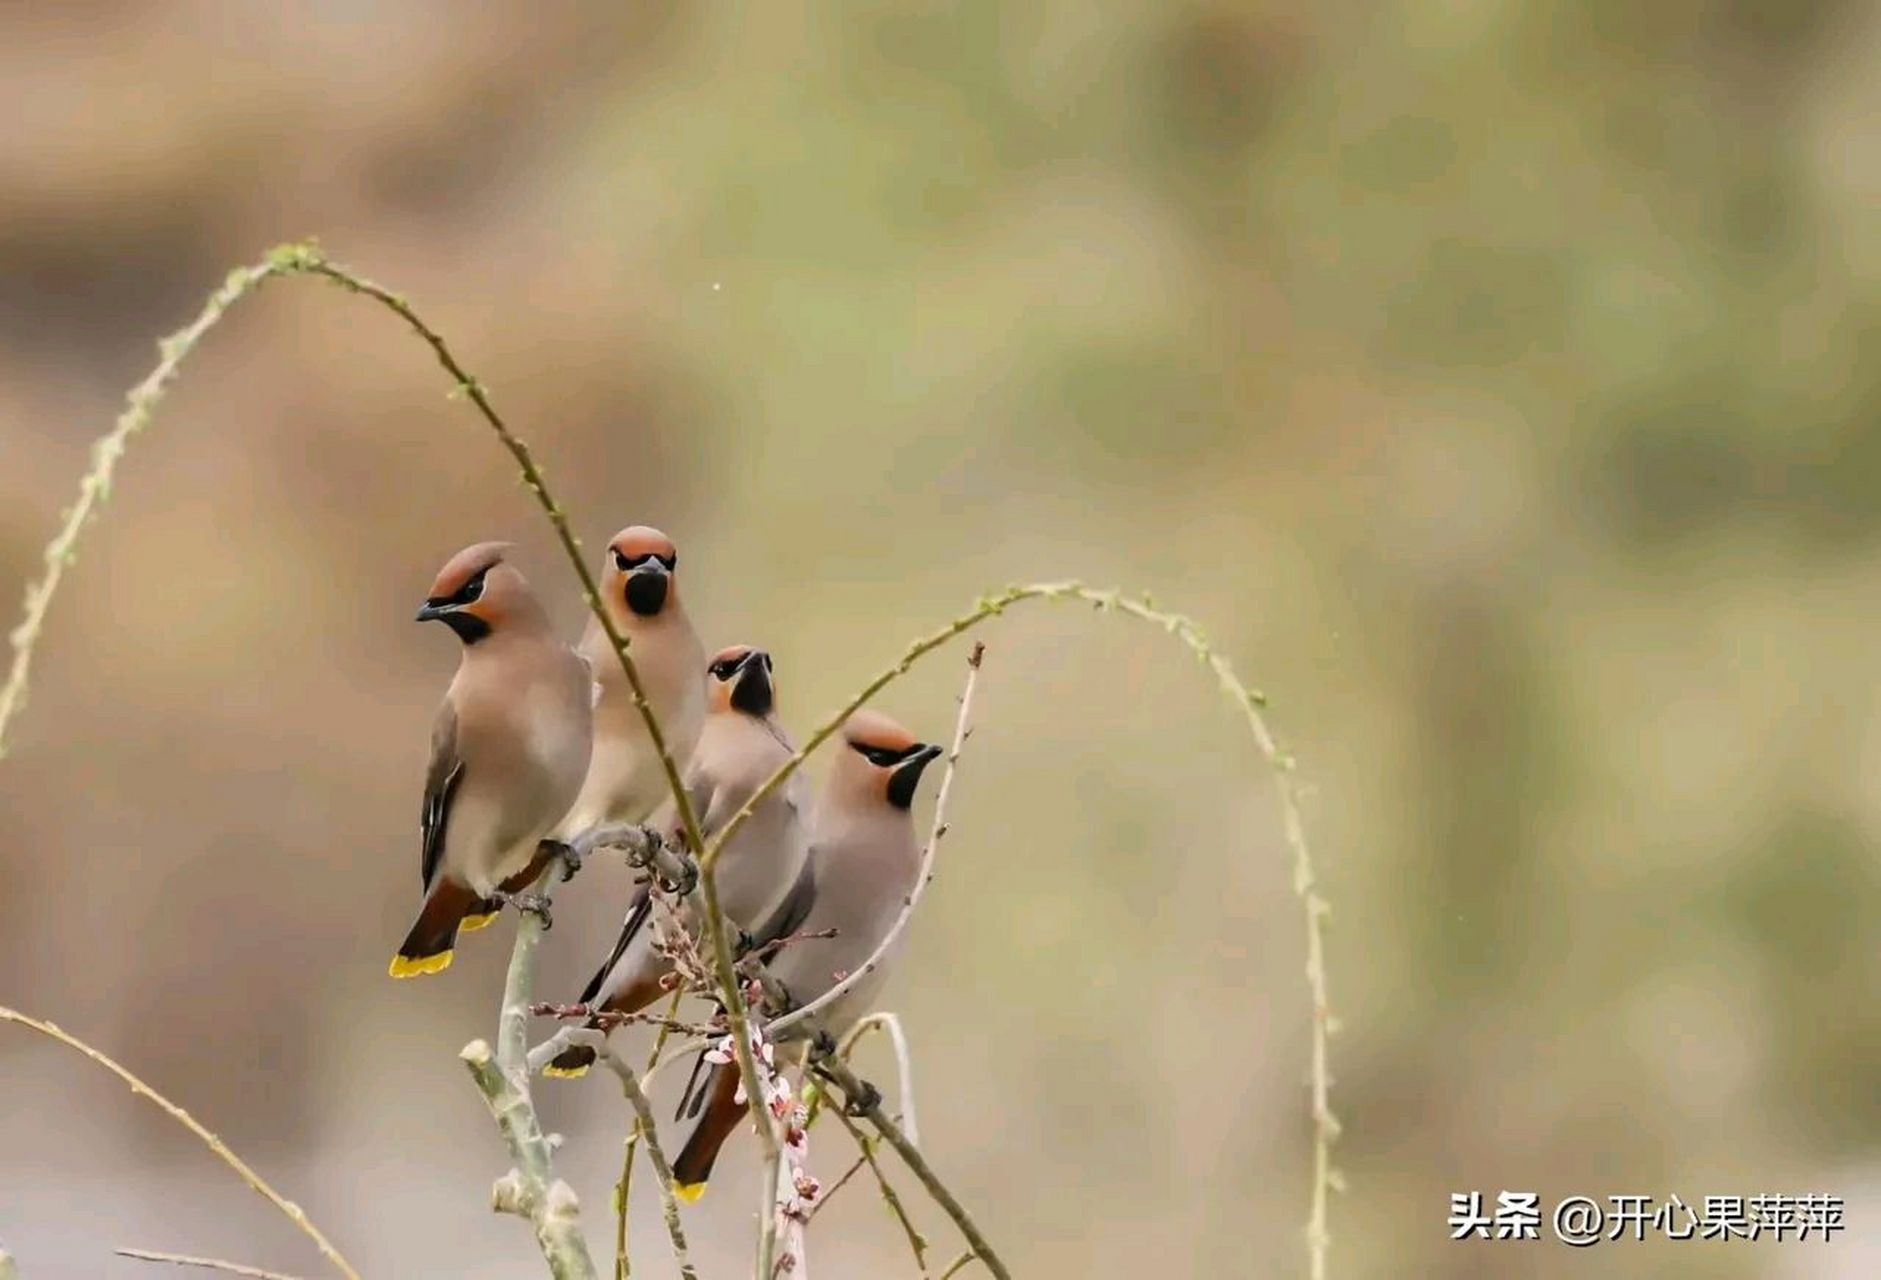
(863, 1103)
(683, 887)
(570, 857)
(535, 904)
(822, 1045)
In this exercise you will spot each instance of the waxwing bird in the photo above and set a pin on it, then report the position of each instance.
(640, 591)
(864, 858)
(741, 745)
(508, 751)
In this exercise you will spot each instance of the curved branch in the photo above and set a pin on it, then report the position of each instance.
(205, 1264)
(287, 1207)
(1251, 703)
(95, 487)
(904, 1063)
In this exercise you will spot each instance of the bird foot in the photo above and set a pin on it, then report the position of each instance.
(822, 1045)
(862, 1103)
(535, 904)
(569, 856)
(683, 886)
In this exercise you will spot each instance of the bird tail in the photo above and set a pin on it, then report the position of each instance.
(572, 1062)
(723, 1112)
(481, 913)
(433, 937)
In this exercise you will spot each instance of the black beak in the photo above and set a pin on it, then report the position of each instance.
(646, 588)
(907, 775)
(752, 690)
(468, 626)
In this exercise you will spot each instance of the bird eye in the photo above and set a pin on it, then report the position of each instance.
(470, 591)
(620, 560)
(721, 670)
(671, 562)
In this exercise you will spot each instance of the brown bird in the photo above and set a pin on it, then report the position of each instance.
(640, 591)
(741, 745)
(864, 857)
(508, 751)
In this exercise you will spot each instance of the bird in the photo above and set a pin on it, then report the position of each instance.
(640, 592)
(509, 750)
(864, 860)
(740, 746)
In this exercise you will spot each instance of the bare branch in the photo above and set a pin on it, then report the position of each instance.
(531, 1190)
(904, 1063)
(609, 1019)
(866, 1100)
(207, 1264)
(288, 1208)
(622, 1267)
(958, 1264)
(917, 1243)
(95, 487)
(656, 1154)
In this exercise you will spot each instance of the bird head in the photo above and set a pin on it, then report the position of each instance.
(639, 571)
(476, 593)
(882, 759)
(740, 679)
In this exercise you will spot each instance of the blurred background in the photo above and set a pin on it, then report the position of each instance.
(1498, 381)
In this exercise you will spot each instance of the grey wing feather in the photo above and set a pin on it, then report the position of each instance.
(441, 782)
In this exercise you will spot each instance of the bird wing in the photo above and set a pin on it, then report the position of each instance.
(637, 913)
(441, 782)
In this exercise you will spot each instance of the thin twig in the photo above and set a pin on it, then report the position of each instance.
(656, 1154)
(611, 1019)
(854, 1168)
(866, 1098)
(95, 487)
(917, 1243)
(958, 1264)
(287, 1207)
(883, 1020)
(207, 1264)
(922, 880)
(845, 1048)
(622, 1267)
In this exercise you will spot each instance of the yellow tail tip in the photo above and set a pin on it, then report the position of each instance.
(565, 1073)
(689, 1191)
(470, 924)
(412, 966)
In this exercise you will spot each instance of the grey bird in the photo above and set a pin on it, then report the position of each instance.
(741, 745)
(864, 858)
(509, 750)
(640, 591)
